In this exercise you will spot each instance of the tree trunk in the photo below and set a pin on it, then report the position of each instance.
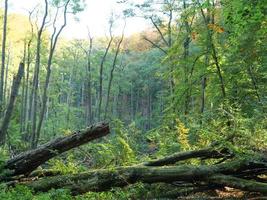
(213, 51)
(26, 162)
(27, 101)
(101, 74)
(10, 107)
(88, 83)
(185, 55)
(229, 174)
(229, 170)
(254, 82)
(53, 43)
(36, 78)
(204, 79)
(3, 57)
(111, 73)
(6, 78)
(22, 108)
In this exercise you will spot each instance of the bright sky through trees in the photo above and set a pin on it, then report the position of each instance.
(95, 16)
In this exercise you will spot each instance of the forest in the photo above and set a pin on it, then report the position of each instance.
(175, 111)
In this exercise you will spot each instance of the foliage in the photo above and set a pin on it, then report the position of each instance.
(196, 77)
(64, 166)
(23, 193)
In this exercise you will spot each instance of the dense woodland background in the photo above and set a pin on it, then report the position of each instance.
(196, 76)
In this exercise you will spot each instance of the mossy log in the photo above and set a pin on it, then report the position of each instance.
(224, 174)
(229, 169)
(206, 153)
(25, 163)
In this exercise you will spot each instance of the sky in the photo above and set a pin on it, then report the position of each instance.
(95, 17)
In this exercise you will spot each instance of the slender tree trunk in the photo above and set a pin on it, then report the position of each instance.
(137, 101)
(53, 43)
(28, 100)
(111, 73)
(132, 103)
(149, 109)
(89, 105)
(26, 103)
(69, 97)
(6, 77)
(170, 26)
(36, 78)
(88, 84)
(161, 105)
(186, 54)
(22, 108)
(10, 107)
(219, 71)
(203, 88)
(3, 57)
(204, 79)
(254, 82)
(101, 73)
(213, 51)
(114, 104)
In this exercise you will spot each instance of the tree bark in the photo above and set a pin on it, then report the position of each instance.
(185, 56)
(53, 43)
(28, 101)
(3, 57)
(112, 71)
(6, 77)
(22, 108)
(204, 78)
(254, 82)
(231, 171)
(101, 72)
(105, 179)
(10, 107)
(180, 156)
(88, 82)
(213, 51)
(36, 77)
(89, 115)
(26, 162)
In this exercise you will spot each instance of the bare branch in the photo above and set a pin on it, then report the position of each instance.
(159, 31)
(155, 45)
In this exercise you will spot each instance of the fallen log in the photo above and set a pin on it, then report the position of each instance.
(238, 183)
(231, 170)
(25, 163)
(101, 180)
(205, 153)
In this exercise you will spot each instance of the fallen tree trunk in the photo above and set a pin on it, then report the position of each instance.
(206, 153)
(229, 169)
(25, 163)
(238, 183)
(223, 174)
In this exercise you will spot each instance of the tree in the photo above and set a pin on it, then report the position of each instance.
(53, 43)
(3, 56)
(88, 82)
(112, 70)
(111, 21)
(10, 107)
(35, 82)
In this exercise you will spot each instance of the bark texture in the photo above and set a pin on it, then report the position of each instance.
(224, 174)
(226, 169)
(10, 107)
(26, 162)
